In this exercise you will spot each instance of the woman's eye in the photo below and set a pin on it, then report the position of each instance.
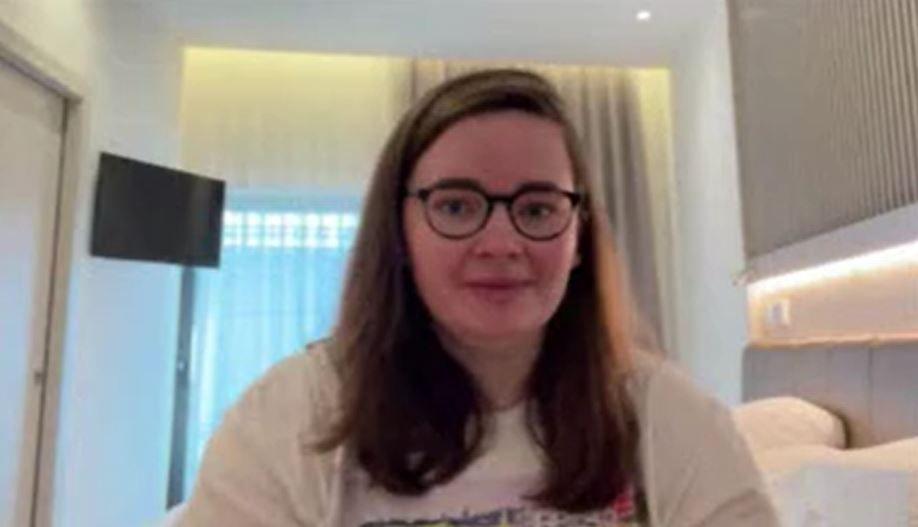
(537, 210)
(455, 207)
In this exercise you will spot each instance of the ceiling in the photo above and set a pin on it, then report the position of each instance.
(559, 31)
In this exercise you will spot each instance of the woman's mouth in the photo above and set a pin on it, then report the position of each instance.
(497, 291)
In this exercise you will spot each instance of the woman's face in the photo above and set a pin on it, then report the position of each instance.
(495, 287)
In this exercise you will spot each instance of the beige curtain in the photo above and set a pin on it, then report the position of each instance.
(623, 119)
(289, 122)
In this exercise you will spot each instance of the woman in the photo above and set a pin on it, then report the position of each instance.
(481, 371)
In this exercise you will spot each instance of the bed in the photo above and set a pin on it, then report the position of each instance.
(848, 456)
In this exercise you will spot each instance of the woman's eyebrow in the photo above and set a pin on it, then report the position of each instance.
(537, 185)
(457, 182)
(460, 182)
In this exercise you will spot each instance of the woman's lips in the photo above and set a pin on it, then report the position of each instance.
(497, 291)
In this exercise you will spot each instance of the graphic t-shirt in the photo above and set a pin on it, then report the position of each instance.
(491, 492)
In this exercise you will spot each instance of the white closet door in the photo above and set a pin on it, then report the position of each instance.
(31, 127)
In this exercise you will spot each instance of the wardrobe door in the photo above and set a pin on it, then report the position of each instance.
(31, 131)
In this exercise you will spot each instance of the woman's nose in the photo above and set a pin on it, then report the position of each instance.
(499, 236)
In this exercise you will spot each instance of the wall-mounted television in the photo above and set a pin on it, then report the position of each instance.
(153, 213)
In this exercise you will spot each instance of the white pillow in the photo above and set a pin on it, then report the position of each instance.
(781, 422)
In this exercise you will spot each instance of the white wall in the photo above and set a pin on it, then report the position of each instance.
(711, 311)
(116, 393)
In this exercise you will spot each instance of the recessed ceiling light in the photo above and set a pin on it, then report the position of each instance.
(644, 15)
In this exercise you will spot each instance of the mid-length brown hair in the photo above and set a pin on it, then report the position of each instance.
(413, 415)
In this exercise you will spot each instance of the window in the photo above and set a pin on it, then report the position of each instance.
(277, 288)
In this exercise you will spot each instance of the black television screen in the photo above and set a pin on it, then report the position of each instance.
(152, 213)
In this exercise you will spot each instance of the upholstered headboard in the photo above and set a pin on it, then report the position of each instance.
(873, 385)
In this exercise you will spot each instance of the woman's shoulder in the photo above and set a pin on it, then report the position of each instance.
(676, 417)
(302, 387)
(695, 463)
(259, 466)
(662, 390)
(312, 366)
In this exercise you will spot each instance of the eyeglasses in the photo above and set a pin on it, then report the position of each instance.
(457, 210)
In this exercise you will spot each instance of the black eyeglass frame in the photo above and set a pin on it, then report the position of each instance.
(423, 194)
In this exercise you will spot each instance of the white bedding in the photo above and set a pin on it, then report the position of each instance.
(815, 485)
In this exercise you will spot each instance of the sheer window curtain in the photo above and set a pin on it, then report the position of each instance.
(277, 287)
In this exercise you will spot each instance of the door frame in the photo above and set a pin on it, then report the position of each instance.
(19, 52)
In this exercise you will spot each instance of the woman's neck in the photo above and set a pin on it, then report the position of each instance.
(501, 369)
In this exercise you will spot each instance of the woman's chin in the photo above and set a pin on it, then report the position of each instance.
(500, 333)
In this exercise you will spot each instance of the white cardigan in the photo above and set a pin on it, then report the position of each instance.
(697, 469)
